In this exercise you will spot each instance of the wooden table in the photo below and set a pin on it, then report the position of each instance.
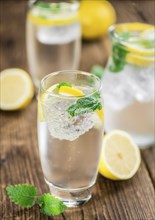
(19, 161)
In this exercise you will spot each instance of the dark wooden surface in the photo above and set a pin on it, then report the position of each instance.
(19, 159)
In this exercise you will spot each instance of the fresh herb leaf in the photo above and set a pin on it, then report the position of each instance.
(49, 205)
(85, 105)
(125, 35)
(64, 84)
(145, 43)
(22, 194)
(119, 53)
(43, 4)
(98, 71)
(25, 195)
(54, 7)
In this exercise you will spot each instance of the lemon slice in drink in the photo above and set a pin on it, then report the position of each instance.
(70, 91)
(16, 89)
(140, 44)
(65, 90)
(76, 92)
(120, 156)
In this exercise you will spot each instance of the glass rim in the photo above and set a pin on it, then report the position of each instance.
(70, 4)
(41, 88)
(129, 27)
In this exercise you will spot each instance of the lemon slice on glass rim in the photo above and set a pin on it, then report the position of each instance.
(16, 89)
(65, 90)
(120, 157)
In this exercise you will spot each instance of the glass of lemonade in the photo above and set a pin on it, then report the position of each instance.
(129, 82)
(70, 133)
(53, 37)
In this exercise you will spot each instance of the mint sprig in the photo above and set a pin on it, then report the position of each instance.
(63, 84)
(119, 53)
(85, 105)
(49, 205)
(25, 195)
(98, 71)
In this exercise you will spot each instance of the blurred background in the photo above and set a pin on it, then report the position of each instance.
(13, 37)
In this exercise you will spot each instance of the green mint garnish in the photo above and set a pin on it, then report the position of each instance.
(98, 71)
(43, 4)
(64, 84)
(25, 195)
(53, 7)
(49, 205)
(85, 105)
(119, 53)
(125, 35)
(145, 43)
(118, 57)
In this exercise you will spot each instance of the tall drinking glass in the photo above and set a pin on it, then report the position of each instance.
(70, 133)
(53, 37)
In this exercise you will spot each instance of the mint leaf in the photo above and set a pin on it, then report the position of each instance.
(119, 53)
(124, 35)
(98, 71)
(85, 105)
(64, 84)
(43, 4)
(22, 194)
(49, 205)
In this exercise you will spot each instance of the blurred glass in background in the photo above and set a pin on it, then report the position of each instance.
(129, 82)
(53, 36)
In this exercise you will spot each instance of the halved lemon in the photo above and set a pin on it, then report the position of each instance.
(120, 156)
(16, 89)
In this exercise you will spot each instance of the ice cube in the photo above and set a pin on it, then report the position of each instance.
(116, 90)
(141, 82)
(60, 34)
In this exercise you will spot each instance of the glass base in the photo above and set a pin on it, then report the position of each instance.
(71, 198)
(144, 141)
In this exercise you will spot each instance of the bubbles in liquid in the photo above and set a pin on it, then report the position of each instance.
(60, 124)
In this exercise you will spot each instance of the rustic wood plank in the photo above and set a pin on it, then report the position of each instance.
(148, 156)
(19, 158)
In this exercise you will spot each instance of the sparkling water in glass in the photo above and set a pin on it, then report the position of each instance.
(129, 82)
(53, 37)
(69, 146)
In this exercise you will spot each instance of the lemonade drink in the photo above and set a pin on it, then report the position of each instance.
(53, 38)
(129, 82)
(70, 133)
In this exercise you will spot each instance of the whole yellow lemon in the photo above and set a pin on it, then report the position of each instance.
(96, 17)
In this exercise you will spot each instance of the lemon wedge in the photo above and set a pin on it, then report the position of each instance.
(120, 156)
(16, 89)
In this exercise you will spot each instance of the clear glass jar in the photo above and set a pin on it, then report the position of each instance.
(129, 82)
(53, 36)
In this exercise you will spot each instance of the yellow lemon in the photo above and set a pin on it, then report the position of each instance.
(120, 156)
(96, 17)
(16, 89)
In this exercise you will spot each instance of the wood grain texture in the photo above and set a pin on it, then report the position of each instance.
(19, 158)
